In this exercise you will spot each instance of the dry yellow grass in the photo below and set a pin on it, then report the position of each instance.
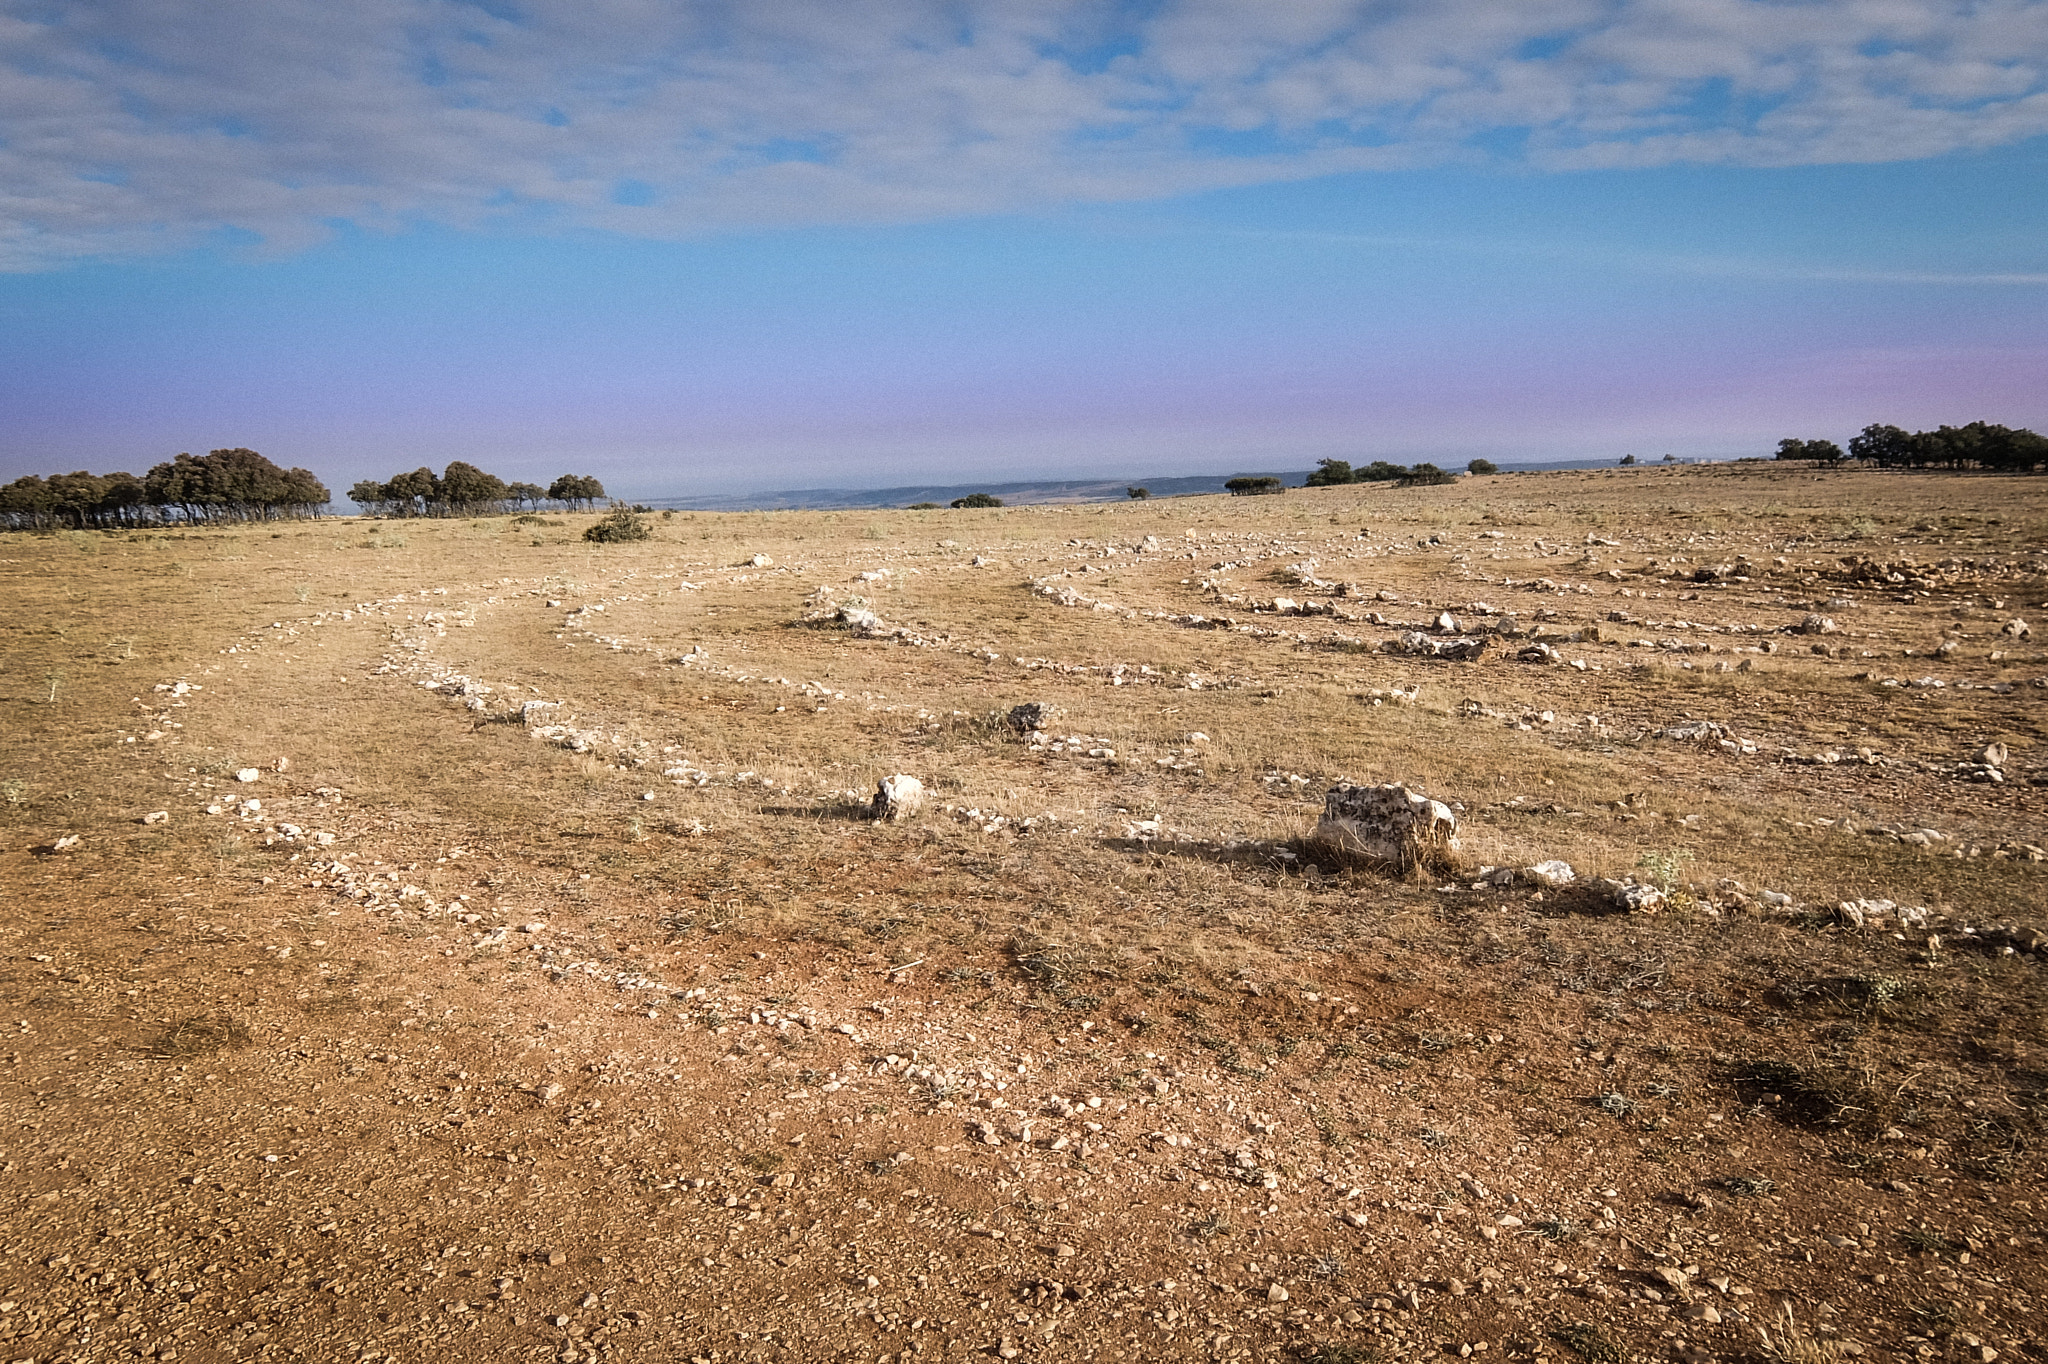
(688, 807)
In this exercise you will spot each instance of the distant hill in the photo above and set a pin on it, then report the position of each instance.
(1017, 494)
(1014, 494)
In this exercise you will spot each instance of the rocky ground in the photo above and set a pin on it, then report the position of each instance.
(517, 977)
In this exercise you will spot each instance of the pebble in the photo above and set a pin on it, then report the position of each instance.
(556, 1257)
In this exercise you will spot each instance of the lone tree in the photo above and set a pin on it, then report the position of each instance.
(413, 494)
(576, 490)
(1888, 447)
(1137, 494)
(468, 491)
(1427, 475)
(1627, 460)
(978, 500)
(1331, 473)
(1482, 466)
(1261, 485)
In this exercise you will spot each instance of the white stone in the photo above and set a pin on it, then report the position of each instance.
(897, 798)
(1633, 896)
(249, 774)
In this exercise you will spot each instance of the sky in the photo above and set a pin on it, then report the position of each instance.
(710, 248)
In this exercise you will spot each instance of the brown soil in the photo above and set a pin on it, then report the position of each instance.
(521, 1065)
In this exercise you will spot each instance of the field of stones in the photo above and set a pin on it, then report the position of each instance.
(1556, 917)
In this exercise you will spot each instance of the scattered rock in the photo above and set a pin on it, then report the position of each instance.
(861, 621)
(1388, 825)
(1631, 896)
(1458, 648)
(157, 817)
(249, 774)
(1552, 873)
(897, 798)
(1816, 625)
(1032, 715)
(2017, 629)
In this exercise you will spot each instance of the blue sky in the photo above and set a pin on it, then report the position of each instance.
(713, 248)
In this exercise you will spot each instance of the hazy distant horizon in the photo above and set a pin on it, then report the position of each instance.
(717, 247)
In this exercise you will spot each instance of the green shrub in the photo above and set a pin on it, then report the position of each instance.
(620, 523)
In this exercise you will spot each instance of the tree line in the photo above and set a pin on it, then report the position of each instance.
(462, 489)
(1334, 473)
(1980, 445)
(221, 486)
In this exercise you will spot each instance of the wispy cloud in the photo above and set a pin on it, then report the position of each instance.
(1608, 257)
(131, 126)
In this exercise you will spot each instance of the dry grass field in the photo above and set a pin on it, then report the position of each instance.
(545, 993)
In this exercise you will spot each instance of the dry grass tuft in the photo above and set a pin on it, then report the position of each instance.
(1790, 1344)
(201, 1035)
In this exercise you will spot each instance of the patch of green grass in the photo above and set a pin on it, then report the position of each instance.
(1588, 1342)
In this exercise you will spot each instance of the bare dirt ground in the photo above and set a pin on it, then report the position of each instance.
(544, 993)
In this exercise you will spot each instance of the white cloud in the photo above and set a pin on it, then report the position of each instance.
(131, 126)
